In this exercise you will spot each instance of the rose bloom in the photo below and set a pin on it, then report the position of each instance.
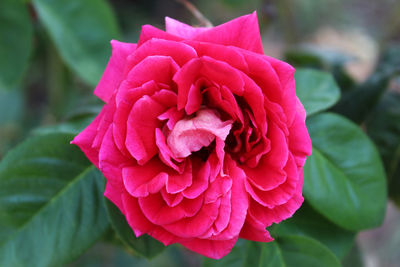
(202, 139)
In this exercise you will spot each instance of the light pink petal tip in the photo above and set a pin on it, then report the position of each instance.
(241, 32)
(180, 29)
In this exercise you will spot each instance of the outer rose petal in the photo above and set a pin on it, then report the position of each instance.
(113, 74)
(285, 73)
(180, 52)
(255, 234)
(149, 32)
(180, 29)
(215, 249)
(299, 140)
(115, 196)
(85, 139)
(241, 32)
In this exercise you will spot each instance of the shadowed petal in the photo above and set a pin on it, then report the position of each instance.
(215, 249)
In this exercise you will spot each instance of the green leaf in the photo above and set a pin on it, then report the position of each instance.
(264, 254)
(51, 203)
(144, 245)
(359, 102)
(11, 106)
(236, 258)
(332, 61)
(81, 31)
(302, 251)
(384, 128)
(316, 90)
(74, 126)
(344, 179)
(285, 251)
(11, 111)
(307, 222)
(316, 56)
(16, 40)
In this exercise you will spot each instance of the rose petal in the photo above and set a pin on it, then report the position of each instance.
(269, 173)
(267, 216)
(201, 175)
(178, 182)
(242, 32)
(111, 161)
(299, 139)
(229, 54)
(124, 106)
(180, 29)
(141, 125)
(172, 200)
(215, 249)
(216, 71)
(113, 74)
(189, 135)
(223, 99)
(252, 233)
(285, 73)
(255, 99)
(140, 181)
(85, 139)
(239, 203)
(217, 189)
(115, 196)
(166, 155)
(155, 209)
(149, 32)
(195, 226)
(160, 69)
(281, 194)
(135, 217)
(173, 116)
(179, 52)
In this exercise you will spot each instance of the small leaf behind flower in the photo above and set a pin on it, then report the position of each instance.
(344, 179)
(144, 245)
(285, 251)
(51, 203)
(317, 90)
(307, 222)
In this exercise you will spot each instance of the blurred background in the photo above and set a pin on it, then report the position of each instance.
(349, 38)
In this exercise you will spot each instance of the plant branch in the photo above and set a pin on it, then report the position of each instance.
(204, 22)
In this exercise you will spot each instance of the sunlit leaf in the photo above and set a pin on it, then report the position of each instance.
(316, 90)
(344, 177)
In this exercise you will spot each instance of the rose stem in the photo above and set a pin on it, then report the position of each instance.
(204, 22)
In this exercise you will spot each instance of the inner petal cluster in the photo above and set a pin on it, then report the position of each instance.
(191, 134)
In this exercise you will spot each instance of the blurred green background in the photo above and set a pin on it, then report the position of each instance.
(45, 79)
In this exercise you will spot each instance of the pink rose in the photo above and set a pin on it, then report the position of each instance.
(202, 138)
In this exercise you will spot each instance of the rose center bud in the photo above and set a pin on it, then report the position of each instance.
(193, 133)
